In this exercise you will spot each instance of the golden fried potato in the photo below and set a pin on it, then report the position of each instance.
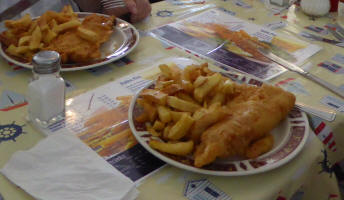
(182, 105)
(149, 109)
(164, 114)
(19, 25)
(158, 125)
(36, 38)
(67, 25)
(201, 91)
(49, 36)
(151, 130)
(154, 96)
(87, 34)
(181, 128)
(178, 148)
(25, 40)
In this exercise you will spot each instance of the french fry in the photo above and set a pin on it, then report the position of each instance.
(49, 36)
(36, 38)
(158, 125)
(172, 89)
(178, 148)
(218, 98)
(186, 97)
(187, 86)
(180, 129)
(53, 24)
(67, 25)
(59, 17)
(186, 74)
(164, 114)
(199, 81)
(151, 130)
(21, 23)
(87, 34)
(205, 119)
(12, 50)
(23, 49)
(149, 109)
(203, 90)
(32, 27)
(177, 115)
(142, 118)
(154, 96)
(182, 105)
(166, 132)
(228, 87)
(165, 70)
(171, 71)
(25, 40)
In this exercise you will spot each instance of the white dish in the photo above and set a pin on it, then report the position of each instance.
(122, 41)
(290, 137)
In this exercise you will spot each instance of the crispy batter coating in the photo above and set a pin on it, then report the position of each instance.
(253, 113)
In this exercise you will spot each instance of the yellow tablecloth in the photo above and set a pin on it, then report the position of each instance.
(299, 179)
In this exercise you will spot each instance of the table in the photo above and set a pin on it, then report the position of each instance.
(305, 177)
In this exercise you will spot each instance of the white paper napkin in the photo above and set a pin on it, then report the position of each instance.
(61, 167)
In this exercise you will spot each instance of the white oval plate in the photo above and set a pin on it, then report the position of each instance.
(122, 41)
(290, 136)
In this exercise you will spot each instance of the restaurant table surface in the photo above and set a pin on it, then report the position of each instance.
(307, 176)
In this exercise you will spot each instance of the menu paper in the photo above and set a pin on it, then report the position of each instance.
(100, 119)
(217, 35)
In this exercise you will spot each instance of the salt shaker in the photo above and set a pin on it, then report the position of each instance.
(46, 91)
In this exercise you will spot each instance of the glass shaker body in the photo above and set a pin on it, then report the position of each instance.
(46, 97)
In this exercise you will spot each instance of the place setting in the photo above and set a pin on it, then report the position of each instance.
(220, 99)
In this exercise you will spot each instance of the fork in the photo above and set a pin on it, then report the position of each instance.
(110, 4)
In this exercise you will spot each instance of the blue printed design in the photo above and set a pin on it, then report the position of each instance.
(98, 71)
(164, 13)
(326, 165)
(332, 67)
(10, 132)
(9, 98)
(227, 11)
(203, 189)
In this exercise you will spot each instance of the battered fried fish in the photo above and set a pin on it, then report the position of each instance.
(252, 113)
(72, 46)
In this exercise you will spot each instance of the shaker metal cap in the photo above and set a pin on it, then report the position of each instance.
(46, 62)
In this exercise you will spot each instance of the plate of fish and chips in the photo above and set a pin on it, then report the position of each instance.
(84, 40)
(217, 123)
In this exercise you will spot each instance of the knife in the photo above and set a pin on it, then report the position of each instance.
(16, 9)
(322, 39)
(294, 68)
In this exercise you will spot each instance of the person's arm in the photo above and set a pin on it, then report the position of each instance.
(138, 9)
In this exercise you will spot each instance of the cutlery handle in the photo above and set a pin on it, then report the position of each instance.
(326, 114)
(335, 34)
(325, 84)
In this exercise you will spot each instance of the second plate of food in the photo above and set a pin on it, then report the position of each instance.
(188, 140)
(123, 39)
